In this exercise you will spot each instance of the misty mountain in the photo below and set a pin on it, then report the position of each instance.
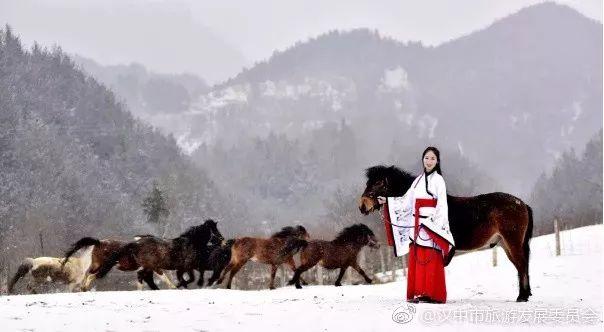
(511, 97)
(74, 162)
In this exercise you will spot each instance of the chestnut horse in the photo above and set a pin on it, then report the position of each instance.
(341, 252)
(476, 222)
(101, 251)
(267, 251)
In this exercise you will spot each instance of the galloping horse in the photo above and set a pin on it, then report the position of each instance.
(267, 251)
(476, 222)
(341, 252)
(70, 271)
(218, 259)
(101, 251)
(152, 254)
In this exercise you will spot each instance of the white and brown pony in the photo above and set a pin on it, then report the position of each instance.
(71, 271)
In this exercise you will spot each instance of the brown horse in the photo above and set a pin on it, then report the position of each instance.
(101, 251)
(267, 251)
(152, 254)
(476, 222)
(341, 252)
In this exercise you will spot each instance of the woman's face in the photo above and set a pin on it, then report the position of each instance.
(429, 161)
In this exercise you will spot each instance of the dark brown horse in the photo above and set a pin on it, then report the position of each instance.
(341, 252)
(476, 222)
(267, 251)
(153, 254)
(101, 251)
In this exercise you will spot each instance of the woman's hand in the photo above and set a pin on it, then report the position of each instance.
(381, 199)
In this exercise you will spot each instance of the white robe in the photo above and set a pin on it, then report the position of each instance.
(401, 211)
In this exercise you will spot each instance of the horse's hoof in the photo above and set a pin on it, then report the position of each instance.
(338, 284)
(369, 281)
(522, 299)
(271, 288)
(298, 286)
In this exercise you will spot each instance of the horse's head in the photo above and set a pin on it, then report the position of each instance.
(202, 234)
(292, 232)
(216, 237)
(359, 234)
(301, 233)
(383, 181)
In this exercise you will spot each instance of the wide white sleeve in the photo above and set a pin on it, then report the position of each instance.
(441, 215)
(408, 200)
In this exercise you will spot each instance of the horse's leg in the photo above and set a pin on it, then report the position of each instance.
(72, 286)
(273, 272)
(165, 278)
(298, 273)
(227, 269)
(513, 248)
(148, 277)
(88, 281)
(201, 281)
(181, 281)
(234, 271)
(214, 277)
(356, 266)
(32, 286)
(292, 265)
(341, 275)
(140, 276)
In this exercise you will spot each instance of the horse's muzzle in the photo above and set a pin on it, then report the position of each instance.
(367, 205)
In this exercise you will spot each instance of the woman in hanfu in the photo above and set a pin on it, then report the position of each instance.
(426, 229)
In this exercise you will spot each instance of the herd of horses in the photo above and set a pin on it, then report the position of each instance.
(476, 222)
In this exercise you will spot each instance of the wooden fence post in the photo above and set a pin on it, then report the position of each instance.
(41, 244)
(382, 263)
(557, 231)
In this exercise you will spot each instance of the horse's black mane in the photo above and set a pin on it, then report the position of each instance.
(352, 233)
(399, 179)
(288, 231)
(195, 231)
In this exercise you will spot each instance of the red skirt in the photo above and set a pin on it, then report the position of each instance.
(426, 274)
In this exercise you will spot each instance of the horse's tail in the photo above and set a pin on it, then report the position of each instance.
(529, 233)
(83, 242)
(109, 263)
(23, 269)
(292, 246)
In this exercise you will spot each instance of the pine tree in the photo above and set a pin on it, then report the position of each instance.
(154, 205)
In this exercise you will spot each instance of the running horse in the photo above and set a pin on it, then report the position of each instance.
(184, 254)
(268, 251)
(476, 222)
(101, 251)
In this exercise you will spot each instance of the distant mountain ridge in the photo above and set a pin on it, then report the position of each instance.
(511, 97)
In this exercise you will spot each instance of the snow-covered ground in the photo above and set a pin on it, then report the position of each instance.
(567, 294)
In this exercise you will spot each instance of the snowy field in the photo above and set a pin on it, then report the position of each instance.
(567, 295)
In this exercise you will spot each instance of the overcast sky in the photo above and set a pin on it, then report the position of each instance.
(214, 39)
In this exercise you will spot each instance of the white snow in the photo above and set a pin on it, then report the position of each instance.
(394, 80)
(567, 289)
